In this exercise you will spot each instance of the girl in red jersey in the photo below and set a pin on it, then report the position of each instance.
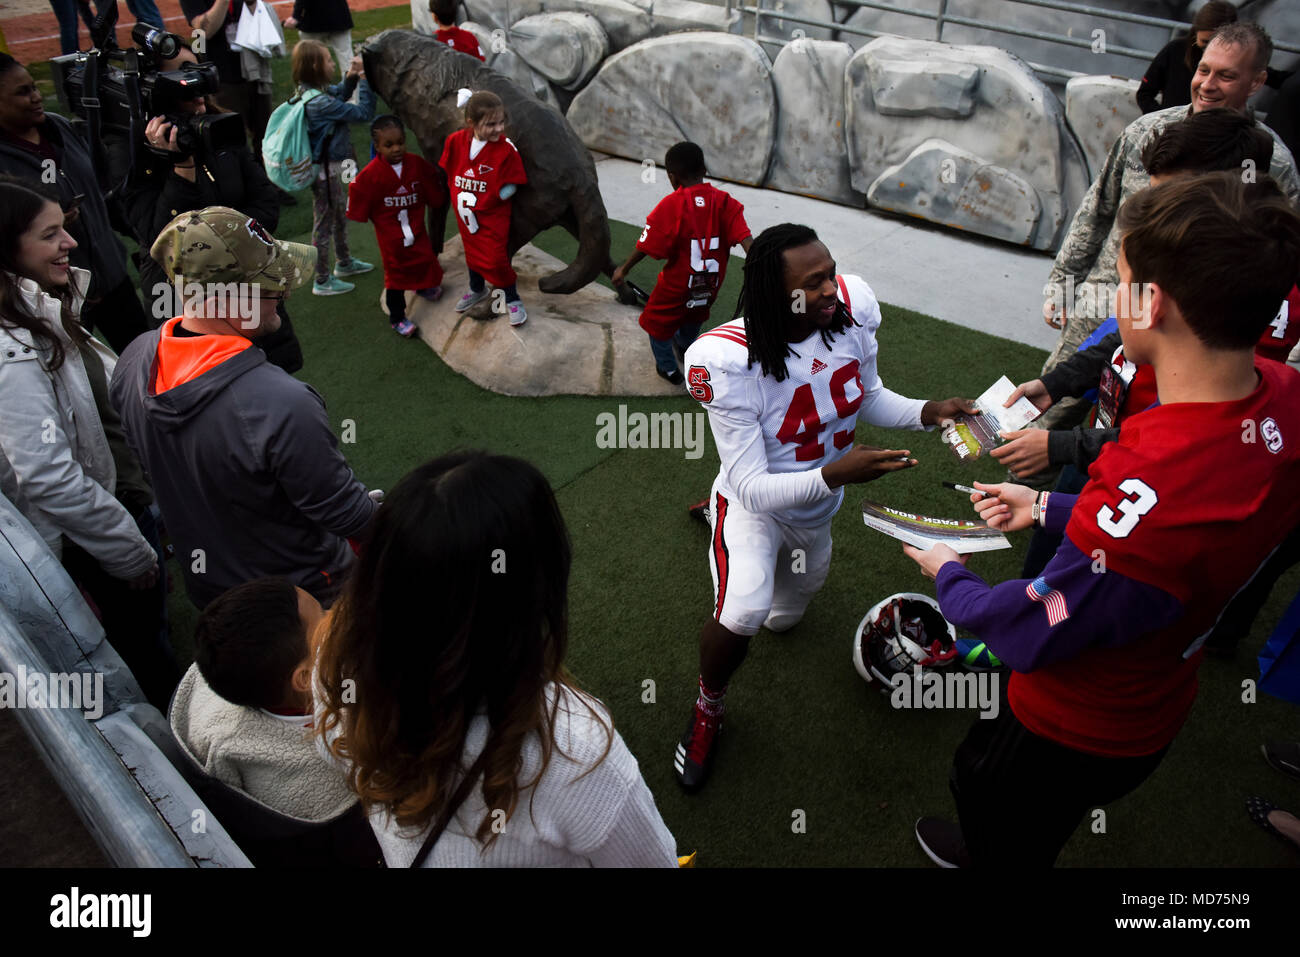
(483, 170)
(393, 192)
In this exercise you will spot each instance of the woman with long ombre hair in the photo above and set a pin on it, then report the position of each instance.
(441, 685)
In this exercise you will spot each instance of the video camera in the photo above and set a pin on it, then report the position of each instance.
(118, 91)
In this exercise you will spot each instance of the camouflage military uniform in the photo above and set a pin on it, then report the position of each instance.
(1084, 275)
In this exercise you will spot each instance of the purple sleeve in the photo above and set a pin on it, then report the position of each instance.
(1059, 507)
(1059, 614)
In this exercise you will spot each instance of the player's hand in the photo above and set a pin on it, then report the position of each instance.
(1051, 316)
(1006, 507)
(145, 581)
(1025, 451)
(620, 276)
(1035, 392)
(934, 559)
(356, 67)
(935, 412)
(862, 463)
(161, 134)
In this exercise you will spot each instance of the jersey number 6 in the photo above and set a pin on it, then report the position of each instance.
(1143, 499)
(465, 203)
(803, 411)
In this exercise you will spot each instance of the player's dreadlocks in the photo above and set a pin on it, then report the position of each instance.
(767, 306)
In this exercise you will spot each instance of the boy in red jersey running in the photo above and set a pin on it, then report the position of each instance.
(694, 228)
(1178, 515)
(393, 191)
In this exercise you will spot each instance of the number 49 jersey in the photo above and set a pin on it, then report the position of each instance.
(774, 437)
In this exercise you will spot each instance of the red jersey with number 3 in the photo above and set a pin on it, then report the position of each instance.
(481, 214)
(807, 420)
(693, 228)
(397, 205)
(1191, 499)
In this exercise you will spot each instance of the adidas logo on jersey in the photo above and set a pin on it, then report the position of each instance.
(818, 366)
(469, 172)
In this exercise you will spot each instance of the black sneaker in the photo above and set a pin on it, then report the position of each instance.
(942, 842)
(694, 757)
(700, 510)
(674, 377)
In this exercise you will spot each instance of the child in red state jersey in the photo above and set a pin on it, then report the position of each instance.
(483, 170)
(693, 228)
(446, 31)
(393, 192)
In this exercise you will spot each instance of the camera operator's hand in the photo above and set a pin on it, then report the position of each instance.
(160, 133)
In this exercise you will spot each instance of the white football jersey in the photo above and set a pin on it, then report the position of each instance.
(774, 437)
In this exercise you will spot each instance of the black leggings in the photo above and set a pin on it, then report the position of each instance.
(1020, 797)
(477, 284)
(396, 301)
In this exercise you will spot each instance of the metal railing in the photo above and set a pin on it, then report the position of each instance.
(941, 17)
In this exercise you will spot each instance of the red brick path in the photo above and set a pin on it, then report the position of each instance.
(34, 37)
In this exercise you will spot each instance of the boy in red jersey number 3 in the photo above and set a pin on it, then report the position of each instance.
(1178, 514)
(784, 388)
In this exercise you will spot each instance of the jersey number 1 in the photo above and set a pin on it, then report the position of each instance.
(404, 219)
(465, 203)
(803, 412)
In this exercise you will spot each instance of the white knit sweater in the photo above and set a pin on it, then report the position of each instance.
(607, 818)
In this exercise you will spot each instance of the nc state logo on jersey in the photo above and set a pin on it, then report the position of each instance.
(697, 384)
(1272, 435)
(699, 201)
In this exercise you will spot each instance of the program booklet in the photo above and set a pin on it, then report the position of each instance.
(922, 531)
(970, 436)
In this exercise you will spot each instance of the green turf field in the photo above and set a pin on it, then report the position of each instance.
(804, 733)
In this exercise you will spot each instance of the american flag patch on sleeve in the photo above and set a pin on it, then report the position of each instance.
(1052, 599)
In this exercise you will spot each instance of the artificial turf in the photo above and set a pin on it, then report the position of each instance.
(803, 732)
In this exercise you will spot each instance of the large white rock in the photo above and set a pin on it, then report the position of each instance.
(942, 183)
(625, 21)
(981, 103)
(809, 156)
(774, 28)
(506, 61)
(711, 88)
(1098, 108)
(1091, 58)
(421, 18)
(566, 48)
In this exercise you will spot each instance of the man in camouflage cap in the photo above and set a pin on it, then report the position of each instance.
(1083, 279)
(244, 464)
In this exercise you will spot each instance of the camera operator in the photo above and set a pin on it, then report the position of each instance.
(219, 20)
(44, 148)
(169, 181)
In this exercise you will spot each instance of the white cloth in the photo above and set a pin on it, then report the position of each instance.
(51, 434)
(269, 757)
(749, 412)
(579, 814)
(258, 38)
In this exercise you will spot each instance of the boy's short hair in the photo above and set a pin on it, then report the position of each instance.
(1226, 251)
(1209, 141)
(685, 161)
(444, 11)
(249, 641)
(387, 121)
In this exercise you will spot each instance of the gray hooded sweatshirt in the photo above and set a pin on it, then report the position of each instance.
(246, 470)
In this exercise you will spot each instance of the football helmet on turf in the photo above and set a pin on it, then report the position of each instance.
(899, 633)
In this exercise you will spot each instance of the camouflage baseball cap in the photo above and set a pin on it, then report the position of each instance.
(219, 244)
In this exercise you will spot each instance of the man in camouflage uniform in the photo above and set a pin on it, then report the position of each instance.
(243, 462)
(1080, 288)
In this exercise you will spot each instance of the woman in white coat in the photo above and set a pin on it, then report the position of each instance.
(82, 488)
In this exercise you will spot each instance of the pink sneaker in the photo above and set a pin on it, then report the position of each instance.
(406, 328)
